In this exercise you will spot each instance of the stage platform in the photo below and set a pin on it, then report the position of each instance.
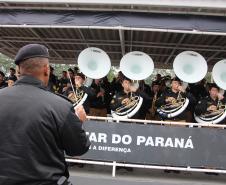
(101, 175)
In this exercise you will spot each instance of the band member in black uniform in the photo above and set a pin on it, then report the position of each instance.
(63, 81)
(80, 91)
(211, 103)
(154, 94)
(97, 104)
(171, 97)
(198, 90)
(53, 85)
(124, 98)
(71, 75)
(165, 83)
(106, 85)
(3, 84)
(117, 83)
(12, 75)
(11, 81)
(144, 87)
(37, 126)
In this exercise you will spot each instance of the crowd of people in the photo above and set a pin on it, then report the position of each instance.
(40, 127)
(103, 97)
(9, 80)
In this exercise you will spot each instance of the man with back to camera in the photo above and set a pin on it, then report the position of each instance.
(37, 126)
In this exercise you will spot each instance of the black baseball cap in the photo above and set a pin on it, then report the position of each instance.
(155, 83)
(31, 51)
(176, 79)
(213, 85)
(12, 78)
(81, 75)
(126, 78)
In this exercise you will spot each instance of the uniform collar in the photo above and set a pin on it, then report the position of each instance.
(123, 93)
(30, 80)
(170, 91)
(213, 99)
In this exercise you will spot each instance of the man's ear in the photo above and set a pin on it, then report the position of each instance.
(18, 71)
(46, 70)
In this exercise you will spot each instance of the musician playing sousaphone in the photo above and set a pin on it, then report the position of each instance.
(173, 102)
(80, 90)
(211, 107)
(125, 99)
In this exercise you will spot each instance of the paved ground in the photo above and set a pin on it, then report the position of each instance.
(101, 175)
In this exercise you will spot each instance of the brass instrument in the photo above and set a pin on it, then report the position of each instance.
(190, 67)
(153, 107)
(175, 104)
(129, 109)
(211, 114)
(94, 63)
(214, 117)
(175, 107)
(78, 97)
(134, 65)
(133, 101)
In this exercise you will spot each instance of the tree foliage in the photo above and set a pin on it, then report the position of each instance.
(5, 63)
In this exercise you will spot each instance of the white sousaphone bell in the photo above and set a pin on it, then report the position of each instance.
(219, 77)
(190, 67)
(135, 65)
(95, 64)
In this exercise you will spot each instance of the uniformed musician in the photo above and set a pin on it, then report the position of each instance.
(3, 84)
(170, 97)
(211, 103)
(154, 94)
(97, 104)
(124, 98)
(79, 91)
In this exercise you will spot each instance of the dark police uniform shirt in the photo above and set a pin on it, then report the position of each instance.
(37, 128)
(203, 104)
(169, 93)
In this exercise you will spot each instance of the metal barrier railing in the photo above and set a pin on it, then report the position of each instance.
(114, 164)
(172, 123)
